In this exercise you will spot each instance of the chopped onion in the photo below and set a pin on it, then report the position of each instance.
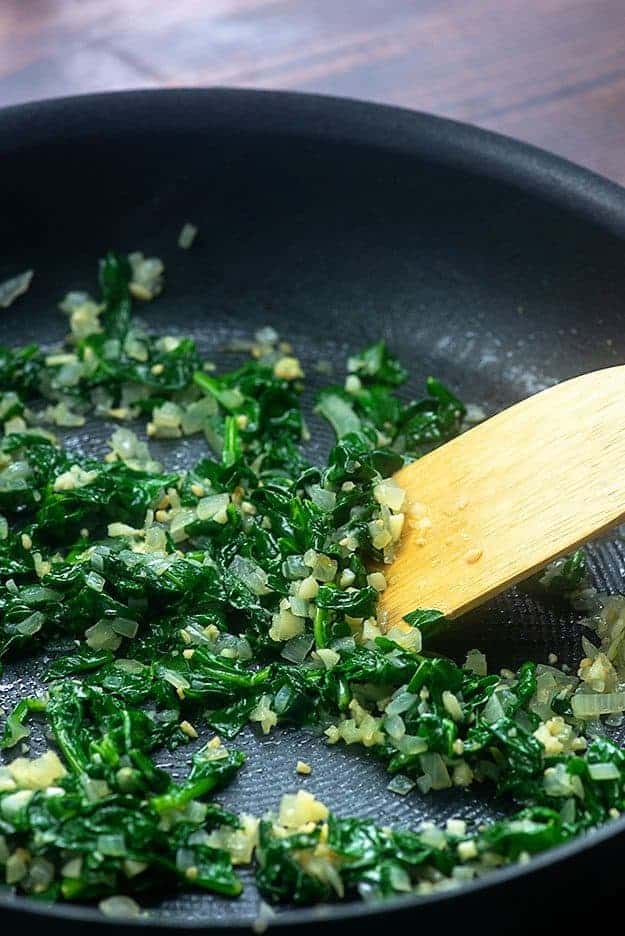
(476, 663)
(559, 782)
(31, 625)
(38, 594)
(328, 657)
(119, 906)
(297, 648)
(606, 771)
(101, 636)
(16, 868)
(40, 875)
(111, 844)
(430, 835)
(248, 572)
(174, 679)
(126, 627)
(389, 494)
(401, 785)
(568, 811)
(209, 507)
(591, 705)
(399, 879)
(183, 519)
(197, 413)
(95, 581)
(394, 727)
(325, 500)
(411, 744)
(493, 710)
(294, 568)
(452, 705)
(401, 702)
(12, 804)
(434, 767)
(300, 607)
(133, 667)
(12, 288)
(95, 789)
(187, 235)
(324, 569)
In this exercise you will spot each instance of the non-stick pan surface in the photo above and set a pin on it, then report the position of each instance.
(493, 265)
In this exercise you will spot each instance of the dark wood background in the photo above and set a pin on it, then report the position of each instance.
(548, 71)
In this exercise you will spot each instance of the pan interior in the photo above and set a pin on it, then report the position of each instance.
(496, 292)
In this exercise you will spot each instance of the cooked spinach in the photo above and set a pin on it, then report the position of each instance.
(239, 591)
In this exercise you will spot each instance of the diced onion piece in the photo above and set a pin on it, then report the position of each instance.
(328, 657)
(300, 607)
(40, 875)
(389, 494)
(286, 625)
(325, 500)
(12, 288)
(432, 836)
(119, 907)
(31, 625)
(411, 744)
(111, 844)
(196, 414)
(39, 594)
(209, 507)
(493, 710)
(129, 666)
(591, 705)
(126, 627)
(13, 804)
(175, 679)
(434, 767)
(294, 568)
(297, 649)
(401, 785)
(184, 518)
(251, 574)
(394, 727)
(324, 569)
(476, 663)
(452, 705)
(187, 235)
(101, 636)
(147, 276)
(95, 581)
(606, 771)
(401, 702)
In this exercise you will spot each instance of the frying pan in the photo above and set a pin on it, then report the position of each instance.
(491, 264)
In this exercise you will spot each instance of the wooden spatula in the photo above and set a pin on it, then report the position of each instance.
(505, 498)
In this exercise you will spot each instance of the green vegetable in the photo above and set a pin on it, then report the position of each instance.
(237, 591)
(372, 409)
(430, 623)
(115, 275)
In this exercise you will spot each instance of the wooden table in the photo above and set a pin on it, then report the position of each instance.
(549, 71)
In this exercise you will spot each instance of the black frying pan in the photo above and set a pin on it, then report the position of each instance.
(489, 263)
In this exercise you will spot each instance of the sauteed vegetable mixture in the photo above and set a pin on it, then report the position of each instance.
(240, 591)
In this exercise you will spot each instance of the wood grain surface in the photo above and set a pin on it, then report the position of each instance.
(478, 524)
(548, 71)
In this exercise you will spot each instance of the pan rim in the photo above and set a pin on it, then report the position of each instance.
(324, 120)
